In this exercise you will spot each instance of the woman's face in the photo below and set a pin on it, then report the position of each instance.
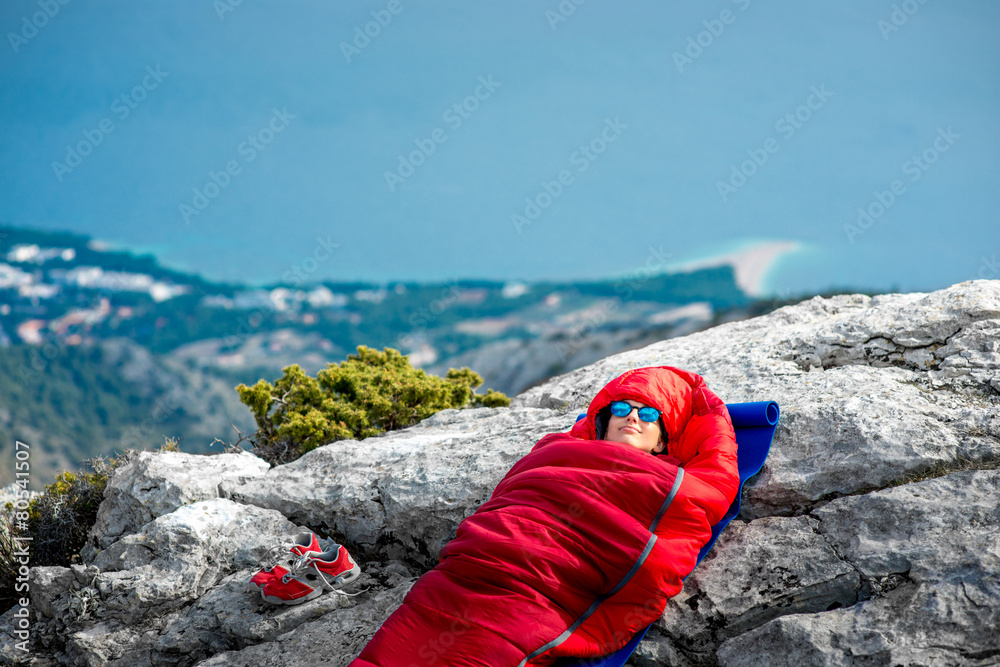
(631, 430)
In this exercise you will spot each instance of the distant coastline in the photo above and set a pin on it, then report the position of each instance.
(750, 265)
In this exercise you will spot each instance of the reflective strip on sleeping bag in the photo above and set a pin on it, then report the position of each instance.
(635, 568)
(580, 545)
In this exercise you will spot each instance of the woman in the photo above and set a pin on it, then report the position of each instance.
(583, 540)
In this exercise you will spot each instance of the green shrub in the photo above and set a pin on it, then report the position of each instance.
(59, 519)
(369, 393)
(58, 522)
(8, 563)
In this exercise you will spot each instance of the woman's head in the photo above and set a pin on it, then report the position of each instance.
(632, 423)
(679, 395)
(667, 389)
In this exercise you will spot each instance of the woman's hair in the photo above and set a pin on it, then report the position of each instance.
(604, 417)
(601, 421)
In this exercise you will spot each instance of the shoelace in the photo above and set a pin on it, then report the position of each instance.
(277, 555)
(303, 563)
(283, 555)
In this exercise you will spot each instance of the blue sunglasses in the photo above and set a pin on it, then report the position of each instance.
(623, 409)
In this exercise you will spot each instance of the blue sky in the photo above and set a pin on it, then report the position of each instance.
(641, 137)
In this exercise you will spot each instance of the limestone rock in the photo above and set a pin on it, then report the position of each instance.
(121, 604)
(912, 625)
(930, 553)
(155, 483)
(873, 390)
(334, 640)
(407, 490)
(179, 556)
(101, 644)
(757, 571)
(14, 648)
(48, 587)
(930, 531)
(227, 617)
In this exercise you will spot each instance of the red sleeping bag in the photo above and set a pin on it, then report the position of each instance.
(581, 543)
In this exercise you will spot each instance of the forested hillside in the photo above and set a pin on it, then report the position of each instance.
(72, 403)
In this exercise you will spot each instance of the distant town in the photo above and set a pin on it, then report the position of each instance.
(71, 290)
(108, 350)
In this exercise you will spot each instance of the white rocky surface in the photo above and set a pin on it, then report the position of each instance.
(156, 483)
(333, 639)
(869, 538)
(757, 571)
(873, 390)
(403, 494)
(931, 552)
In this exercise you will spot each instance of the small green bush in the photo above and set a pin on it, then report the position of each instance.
(369, 393)
(58, 522)
(59, 519)
(8, 563)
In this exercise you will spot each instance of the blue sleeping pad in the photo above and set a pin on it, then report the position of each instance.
(754, 424)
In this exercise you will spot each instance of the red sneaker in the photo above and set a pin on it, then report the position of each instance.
(283, 556)
(311, 575)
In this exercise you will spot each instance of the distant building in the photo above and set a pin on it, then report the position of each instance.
(94, 277)
(31, 331)
(217, 301)
(256, 299)
(472, 296)
(371, 295)
(424, 355)
(38, 291)
(24, 252)
(513, 290)
(11, 276)
(323, 297)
